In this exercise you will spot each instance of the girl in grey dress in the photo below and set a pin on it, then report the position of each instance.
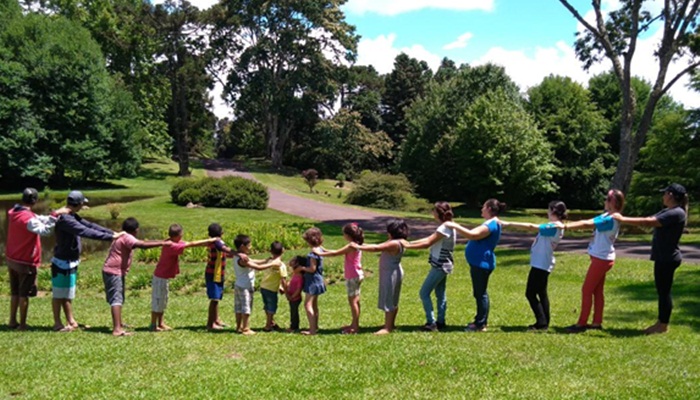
(390, 271)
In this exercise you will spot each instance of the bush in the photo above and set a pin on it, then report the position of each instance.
(310, 177)
(228, 192)
(378, 190)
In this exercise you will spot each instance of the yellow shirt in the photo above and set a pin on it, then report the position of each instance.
(272, 278)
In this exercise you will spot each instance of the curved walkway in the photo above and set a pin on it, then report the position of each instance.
(376, 222)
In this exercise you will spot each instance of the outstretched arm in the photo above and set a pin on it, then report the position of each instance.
(148, 244)
(388, 245)
(526, 225)
(259, 267)
(637, 221)
(203, 242)
(332, 253)
(477, 233)
(425, 242)
(582, 224)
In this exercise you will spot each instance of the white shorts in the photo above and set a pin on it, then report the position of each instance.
(159, 295)
(242, 300)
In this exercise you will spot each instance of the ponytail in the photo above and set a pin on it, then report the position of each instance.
(495, 206)
(443, 211)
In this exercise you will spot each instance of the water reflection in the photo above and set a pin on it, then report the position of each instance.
(89, 246)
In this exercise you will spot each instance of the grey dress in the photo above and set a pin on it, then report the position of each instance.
(390, 278)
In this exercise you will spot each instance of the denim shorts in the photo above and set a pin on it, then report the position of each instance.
(269, 300)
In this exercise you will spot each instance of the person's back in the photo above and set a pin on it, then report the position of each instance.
(22, 246)
(120, 254)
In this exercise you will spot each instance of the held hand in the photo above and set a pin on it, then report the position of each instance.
(243, 257)
(451, 225)
(354, 245)
(117, 235)
(616, 216)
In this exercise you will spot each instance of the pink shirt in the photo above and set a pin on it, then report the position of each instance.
(169, 262)
(295, 284)
(353, 265)
(118, 260)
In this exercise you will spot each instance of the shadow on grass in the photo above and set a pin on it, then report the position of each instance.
(686, 301)
(30, 328)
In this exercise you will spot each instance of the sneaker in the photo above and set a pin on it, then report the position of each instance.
(475, 328)
(575, 329)
(429, 327)
(537, 328)
(441, 326)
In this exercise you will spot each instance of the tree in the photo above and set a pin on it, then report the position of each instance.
(363, 94)
(343, 144)
(432, 119)
(576, 129)
(310, 177)
(406, 83)
(284, 58)
(615, 37)
(74, 121)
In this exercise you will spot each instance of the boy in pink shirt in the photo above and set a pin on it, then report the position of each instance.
(116, 267)
(167, 268)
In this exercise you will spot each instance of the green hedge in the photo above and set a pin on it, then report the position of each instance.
(228, 192)
(377, 190)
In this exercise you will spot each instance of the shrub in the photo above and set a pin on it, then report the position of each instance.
(114, 210)
(341, 179)
(228, 192)
(378, 190)
(311, 177)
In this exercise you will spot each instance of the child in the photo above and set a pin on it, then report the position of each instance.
(390, 271)
(293, 292)
(214, 275)
(116, 267)
(353, 272)
(542, 261)
(245, 283)
(314, 284)
(274, 280)
(168, 267)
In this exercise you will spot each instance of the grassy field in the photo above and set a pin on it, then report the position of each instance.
(505, 362)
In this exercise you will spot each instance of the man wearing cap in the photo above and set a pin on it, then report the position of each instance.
(668, 225)
(69, 229)
(23, 253)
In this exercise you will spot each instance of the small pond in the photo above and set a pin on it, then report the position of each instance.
(89, 246)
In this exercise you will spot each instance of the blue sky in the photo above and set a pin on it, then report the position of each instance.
(530, 38)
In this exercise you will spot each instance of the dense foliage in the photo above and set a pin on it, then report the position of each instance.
(379, 190)
(228, 192)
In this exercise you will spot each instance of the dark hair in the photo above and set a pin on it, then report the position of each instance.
(241, 240)
(30, 196)
(299, 261)
(313, 236)
(175, 230)
(215, 230)
(130, 225)
(397, 228)
(443, 211)
(355, 232)
(495, 206)
(276, 248)
(617, 197)
(558, 208)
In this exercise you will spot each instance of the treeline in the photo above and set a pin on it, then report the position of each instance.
(89, 88)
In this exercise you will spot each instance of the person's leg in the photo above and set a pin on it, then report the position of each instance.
(587, 289)
(239, 322)
(27, 289)
(212, 313)
(316, 314)
(544, 298)
(480, 281)
(56, 305)
(310, 314)
(294, 315)
(389, 322)
(599, 293)
(431, 281)
(354, 302)
(68, 310)
(23, 309)
(663, 279)
(535, 282)
(247, 310)
(14, 299)
(117, 329)
(441, 298)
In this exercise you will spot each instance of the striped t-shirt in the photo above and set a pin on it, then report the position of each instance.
(442, 251)
(216, 265)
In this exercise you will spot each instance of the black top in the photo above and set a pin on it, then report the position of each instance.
(664, 245)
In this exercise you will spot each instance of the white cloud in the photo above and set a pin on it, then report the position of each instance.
(394, 7)
(380, 53)
(460, 43)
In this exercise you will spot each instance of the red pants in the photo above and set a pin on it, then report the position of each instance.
(592, 291)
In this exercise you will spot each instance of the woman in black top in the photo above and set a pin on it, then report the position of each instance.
(668, 224)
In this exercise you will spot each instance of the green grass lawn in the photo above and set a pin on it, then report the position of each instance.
(505, 362)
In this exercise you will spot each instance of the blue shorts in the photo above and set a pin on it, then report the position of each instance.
(215, 290)
(269, 300)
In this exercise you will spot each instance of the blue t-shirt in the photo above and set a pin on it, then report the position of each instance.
(479, 253)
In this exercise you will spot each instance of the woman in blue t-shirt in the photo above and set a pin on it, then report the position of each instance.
(481, 257)
(668, 225)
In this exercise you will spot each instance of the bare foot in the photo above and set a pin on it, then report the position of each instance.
(651, 328)
(248, 332)
(22, 328)
(308, 333)
(155, 328)
(13, 325)
(221, 324)
(122, 333)
(659, 328)
(349, 330)
(164, 327)
(382, 331)
(61, 328)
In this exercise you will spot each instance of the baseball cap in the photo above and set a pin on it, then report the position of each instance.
(30, 196)
(675, 189)
(76, 198)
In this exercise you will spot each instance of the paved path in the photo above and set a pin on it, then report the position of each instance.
(376, 222)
